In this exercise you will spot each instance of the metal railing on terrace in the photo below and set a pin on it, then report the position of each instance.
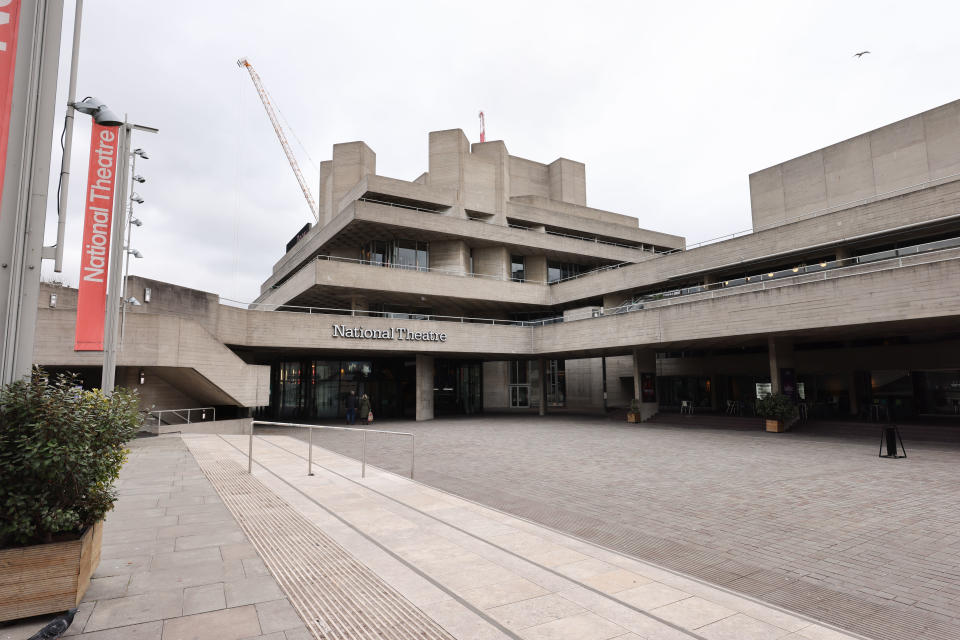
(814, 214)
(638, 302)
(457, 272)
(361, 313)
(889, 259)
(594, 239)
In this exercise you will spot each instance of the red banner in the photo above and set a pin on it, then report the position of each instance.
(95, 258)
(9, 23)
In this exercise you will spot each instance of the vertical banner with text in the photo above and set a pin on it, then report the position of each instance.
(9, 23)
(95, 256)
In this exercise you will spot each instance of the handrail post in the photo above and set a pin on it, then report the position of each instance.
(310, 454)
(363, 456)
(413, 453)
(250, 451)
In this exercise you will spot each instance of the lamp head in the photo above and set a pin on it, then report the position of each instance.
(136, 198)
(136, 222)
(139, 179)
(140, 152)
(133, 301)
(102, 115)
(135, 253)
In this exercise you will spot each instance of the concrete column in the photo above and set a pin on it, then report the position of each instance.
(852, 385)
(424, 394)
(780, 353)
(644, 361)
(543, 386)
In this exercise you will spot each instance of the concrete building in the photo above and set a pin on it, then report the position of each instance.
(488, 284)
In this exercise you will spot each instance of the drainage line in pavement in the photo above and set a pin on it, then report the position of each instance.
(423, 575)
(648, 614)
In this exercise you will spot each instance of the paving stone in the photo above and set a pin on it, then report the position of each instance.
(741, 627)
(128, 610)
(106, 588)
(192, 557)
(693, 613)
(651, 595)
(208, 597)
(226, 624)
(277, 615)
(501, 593)
(534, 611)
(251, 590)
(145, 631)
(582, 627)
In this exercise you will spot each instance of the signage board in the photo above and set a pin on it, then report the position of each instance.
(97, 223)
(390, 333)
(9, 24)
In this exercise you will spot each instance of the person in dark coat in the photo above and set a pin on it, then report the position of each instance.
(364, 409)
(352, 407)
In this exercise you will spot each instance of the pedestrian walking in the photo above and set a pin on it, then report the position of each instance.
(365, 409)
(352, 407)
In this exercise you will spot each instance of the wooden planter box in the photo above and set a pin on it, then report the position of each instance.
(48, 578)
(775, 426)
(633, 417)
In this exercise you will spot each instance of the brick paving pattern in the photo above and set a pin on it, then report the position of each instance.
(812, 521)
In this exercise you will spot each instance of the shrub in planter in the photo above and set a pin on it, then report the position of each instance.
(776, 408)
(634, 414)
(61, 449)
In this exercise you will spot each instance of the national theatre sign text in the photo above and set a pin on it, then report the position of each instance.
(393, 333)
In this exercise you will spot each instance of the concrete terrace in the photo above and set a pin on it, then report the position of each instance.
(197, 548)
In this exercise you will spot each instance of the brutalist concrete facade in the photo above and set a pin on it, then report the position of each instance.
(846, 293)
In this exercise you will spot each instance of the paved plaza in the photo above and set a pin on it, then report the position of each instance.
(814, 522)
(199, 548)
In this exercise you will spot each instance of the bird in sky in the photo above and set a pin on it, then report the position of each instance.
(860, 55)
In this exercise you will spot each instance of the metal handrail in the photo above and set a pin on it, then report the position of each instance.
(268, 307)
(393, 265)
(311, 427)
(786, 276)
(158, 414)
(813, 214)
(638, 303)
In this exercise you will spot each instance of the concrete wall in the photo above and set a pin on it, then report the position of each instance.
(453, 256)
(828, 230)
(496, 394)
(584, 384)
(912, 151)
(492, 261)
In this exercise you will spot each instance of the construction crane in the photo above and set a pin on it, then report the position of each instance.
(243, 63)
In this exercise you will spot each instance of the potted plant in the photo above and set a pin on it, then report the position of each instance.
(777, 410)
(61, 449)
(634, 414)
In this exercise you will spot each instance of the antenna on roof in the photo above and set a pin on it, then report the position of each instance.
(483, 129)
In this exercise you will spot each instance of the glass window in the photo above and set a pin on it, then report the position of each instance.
(553, 271)
(376, 253)
(516, 268)
(518, 372)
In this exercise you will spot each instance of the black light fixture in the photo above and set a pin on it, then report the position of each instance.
(143, 377)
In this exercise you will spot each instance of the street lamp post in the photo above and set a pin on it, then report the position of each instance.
(112, 330)
(131, 222)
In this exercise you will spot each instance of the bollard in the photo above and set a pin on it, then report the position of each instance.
(310, 454)
(889, 437)
(250, 452)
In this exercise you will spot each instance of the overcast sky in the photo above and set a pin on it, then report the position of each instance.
(670, 105)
